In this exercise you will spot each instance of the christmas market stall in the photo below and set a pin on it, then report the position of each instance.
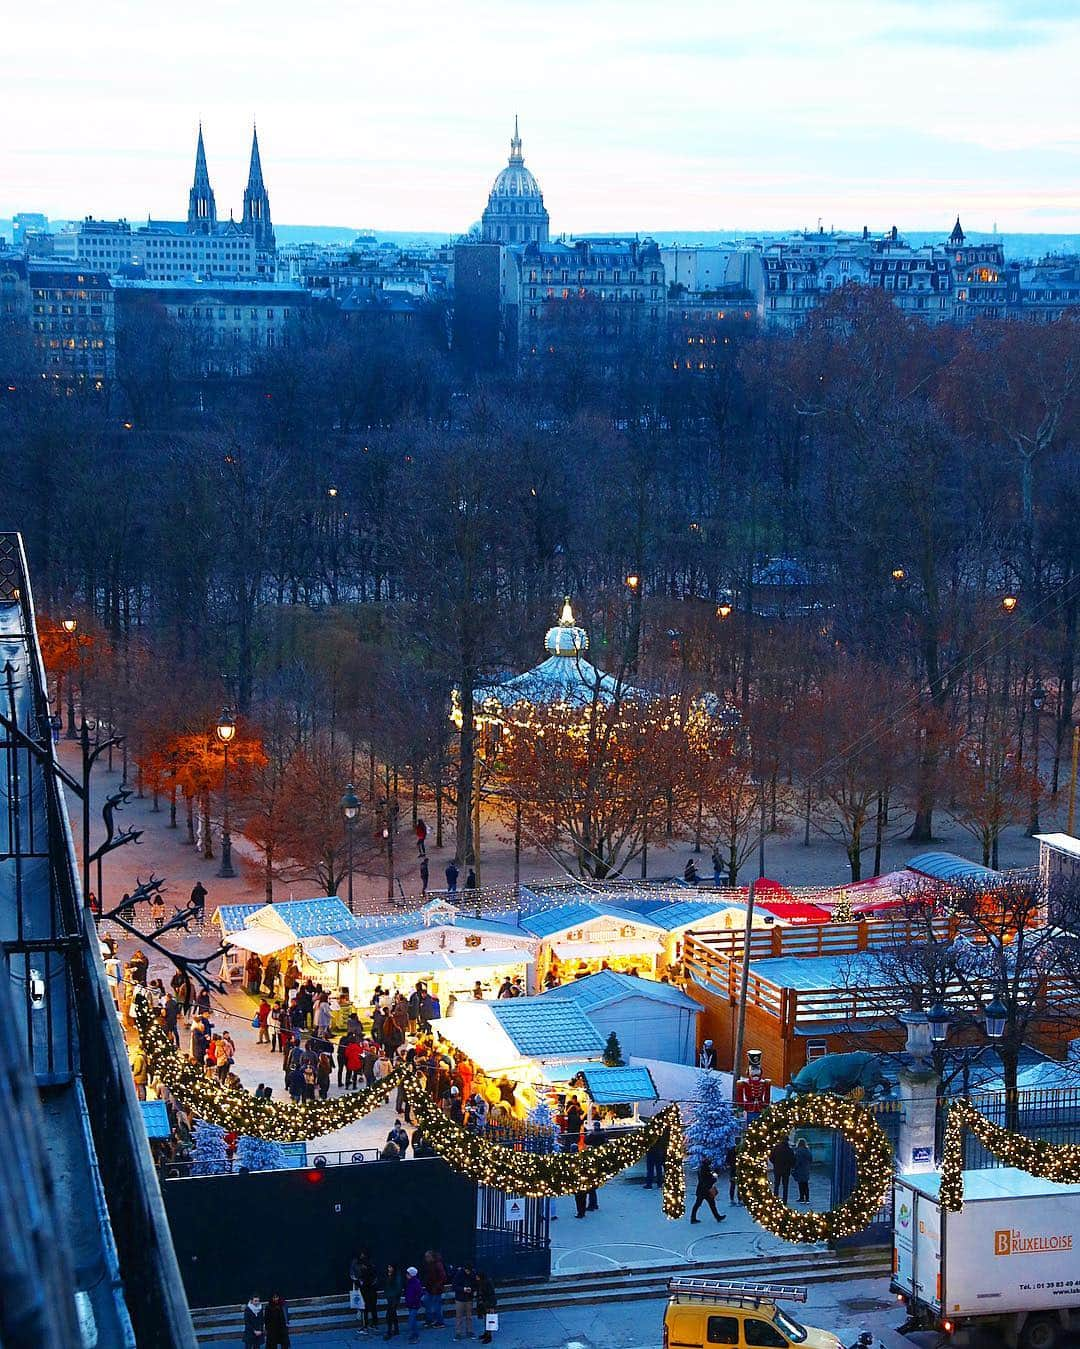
(648, 1018)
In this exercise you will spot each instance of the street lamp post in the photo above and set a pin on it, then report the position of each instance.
(995, 1015)
(69, 623)
(390, 810)
(1038, 702)
(226, 731)
(350, 810)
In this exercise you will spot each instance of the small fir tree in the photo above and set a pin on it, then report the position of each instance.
(542, 1126)
(259, 1154)
(842, 910)
(714, 1128)
(613, 1052)
(211, 1156)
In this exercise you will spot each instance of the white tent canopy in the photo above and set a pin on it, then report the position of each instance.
(261, 940)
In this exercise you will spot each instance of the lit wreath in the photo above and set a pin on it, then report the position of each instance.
(873, 1162)
(1059, 1162)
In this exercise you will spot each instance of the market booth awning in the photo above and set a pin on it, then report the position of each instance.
(262, 940)
(621, 946)
(618, 1086)
(156, 1118)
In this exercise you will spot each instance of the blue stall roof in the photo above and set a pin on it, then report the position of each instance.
(619, 1086)
(156, 1118)
(947, 866)
(231, 916)
(596, 990)
(546, 1027)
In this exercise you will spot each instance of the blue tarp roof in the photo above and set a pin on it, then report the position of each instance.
(805, 972)
(547, 1027)
(563, 916)
(315, 917)
(596, 990)
(619, 1086)
(947, 866)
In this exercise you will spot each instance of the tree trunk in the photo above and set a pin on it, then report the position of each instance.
(879, 830)
(189, 803)
(463, 836)
(172, 806)
(208, 838)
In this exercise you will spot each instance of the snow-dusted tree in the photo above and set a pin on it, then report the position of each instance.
(211, 1157)
(713, 1128)
(542, 1128)
(258, 1154)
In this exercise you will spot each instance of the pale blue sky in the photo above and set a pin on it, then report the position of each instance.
(694, 114)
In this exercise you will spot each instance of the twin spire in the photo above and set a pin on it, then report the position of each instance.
(202, 208)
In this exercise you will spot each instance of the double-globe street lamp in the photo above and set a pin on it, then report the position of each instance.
(995, 1015)
(226, 731)
(350, 811)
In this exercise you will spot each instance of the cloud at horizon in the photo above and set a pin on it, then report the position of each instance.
(694, 117)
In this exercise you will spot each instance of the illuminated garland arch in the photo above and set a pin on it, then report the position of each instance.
(873, 1161)
(234, 1107)
(1059, 1162)
(538, 1175)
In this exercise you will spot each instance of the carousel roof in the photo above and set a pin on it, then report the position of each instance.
(565, 677)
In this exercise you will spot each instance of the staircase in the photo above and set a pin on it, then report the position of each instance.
(570, 1290)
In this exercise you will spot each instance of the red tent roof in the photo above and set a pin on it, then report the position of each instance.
(795, 911)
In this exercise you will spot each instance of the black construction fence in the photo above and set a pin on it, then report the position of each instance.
(295, 1231)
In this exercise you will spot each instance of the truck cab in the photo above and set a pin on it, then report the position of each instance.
(704, 1312)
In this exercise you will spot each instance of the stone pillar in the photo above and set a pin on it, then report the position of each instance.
(919, 1086)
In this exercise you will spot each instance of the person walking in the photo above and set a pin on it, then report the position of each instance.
(271, 971)
(593, 1139)
(170, 1019)
(690, 873)
(425, 875)
(414, 1300)
(452, 874)
(434, 1285)
(782, 1158)
(198, 900)
(263, 1016)
(705, 1193)
(464, 1296)
(470, 879)
(393, 1287)
(181, 987)
(277, 1323)
(140, 1071)
(486, 1302)
(801, 1170)
(254, 1322)
(421, 838)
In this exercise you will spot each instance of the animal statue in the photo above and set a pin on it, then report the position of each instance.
(841, 1075)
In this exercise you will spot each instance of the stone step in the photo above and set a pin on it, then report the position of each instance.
(568, 1290)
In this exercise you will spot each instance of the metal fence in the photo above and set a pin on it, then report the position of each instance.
(513, 1233)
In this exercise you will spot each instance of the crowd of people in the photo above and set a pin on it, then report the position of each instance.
(418, 1293)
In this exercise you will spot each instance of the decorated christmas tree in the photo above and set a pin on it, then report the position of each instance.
(211, 1157)
(258, 1154)
(542, 1128)
(842, 910)
(613, 1052)
(713, 1129)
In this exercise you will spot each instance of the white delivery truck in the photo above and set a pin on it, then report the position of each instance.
(1008, 1263)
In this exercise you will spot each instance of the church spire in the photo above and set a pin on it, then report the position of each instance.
(956, 238)
(256, 219)
(202, 210)
(516, 156)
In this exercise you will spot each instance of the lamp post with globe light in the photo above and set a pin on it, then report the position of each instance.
(994, 1016)
(69, 623)
(350, 811)
(226, 732)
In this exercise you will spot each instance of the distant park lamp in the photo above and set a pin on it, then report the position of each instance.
(331, 491)
(226, 727)
(898, 573)
(1038, 696)
(1009, 603)
(723, 610)
(633, 581)
(70, 623)
(350, 804)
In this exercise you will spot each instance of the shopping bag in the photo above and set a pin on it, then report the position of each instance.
(356, 1300)
(491, 1321)
(255, 1021)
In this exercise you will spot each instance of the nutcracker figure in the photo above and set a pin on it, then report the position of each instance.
(753, 1091)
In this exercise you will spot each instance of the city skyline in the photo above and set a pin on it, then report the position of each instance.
(899, 114)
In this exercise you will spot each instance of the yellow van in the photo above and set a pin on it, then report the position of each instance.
(704, 1312)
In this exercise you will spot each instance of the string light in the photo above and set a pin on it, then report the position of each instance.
(233, 1107)
(1058, 1162)
(873, 1163)
(538, 1175)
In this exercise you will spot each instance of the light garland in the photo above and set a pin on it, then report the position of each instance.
(233, 1107)
(1059, 1162)
(873, 1161)
(547, 1175)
